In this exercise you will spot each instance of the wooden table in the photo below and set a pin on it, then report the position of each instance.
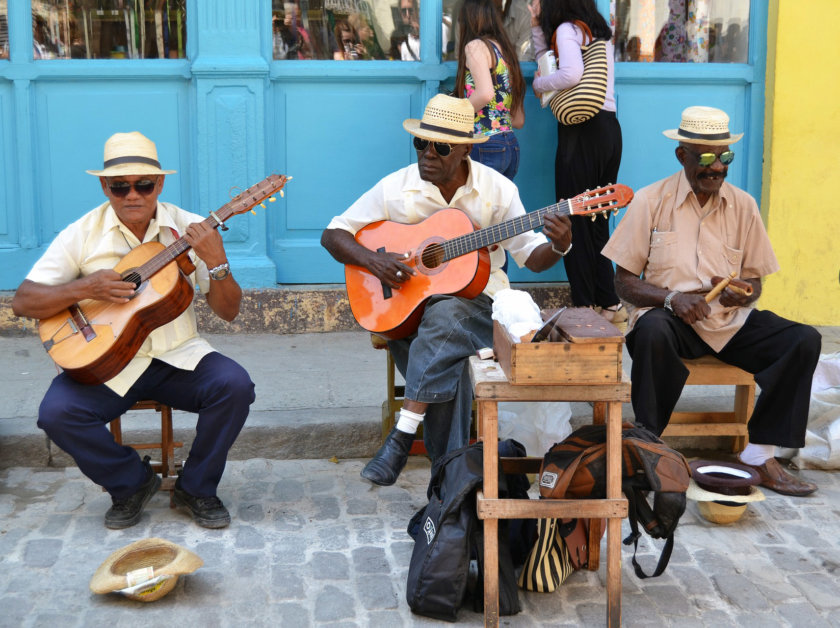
(491, 386)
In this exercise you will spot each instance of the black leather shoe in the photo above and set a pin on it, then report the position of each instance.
(385, 467)
(126, 511)
(208, 512)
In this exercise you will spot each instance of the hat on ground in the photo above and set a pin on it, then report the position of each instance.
(144, 571)
(446, 119)
(129, 154)
(722, 490)
(703, 125)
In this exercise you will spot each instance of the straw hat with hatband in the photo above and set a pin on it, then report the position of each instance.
(703, 125)
(446, 119)
(129, 154)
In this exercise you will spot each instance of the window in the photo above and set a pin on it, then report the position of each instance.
(114, 29)
(346, 30)
(517, 21)
(4, 30)
(682, 31)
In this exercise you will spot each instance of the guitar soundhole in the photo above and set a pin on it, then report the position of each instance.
(432, 256)
(133, 277)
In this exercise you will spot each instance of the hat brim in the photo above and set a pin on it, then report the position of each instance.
(412, 125)
(673, 134)
(106, 579)
(702, 495)
(122, 170)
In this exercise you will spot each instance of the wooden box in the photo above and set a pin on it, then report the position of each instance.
(583, 348)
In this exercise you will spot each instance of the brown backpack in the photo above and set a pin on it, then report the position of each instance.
(576, 469)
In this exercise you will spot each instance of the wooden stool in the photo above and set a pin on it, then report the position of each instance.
(167, 467)
(709, 371)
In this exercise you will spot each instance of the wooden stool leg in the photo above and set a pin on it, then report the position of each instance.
(116, 430)
(744, 403)
(167, 451)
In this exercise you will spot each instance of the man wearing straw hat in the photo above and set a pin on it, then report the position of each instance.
(680, 237)
(174, 366)
(438, 391)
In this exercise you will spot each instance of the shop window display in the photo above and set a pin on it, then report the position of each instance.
(109, 29)
(517, 21)
(681, 31)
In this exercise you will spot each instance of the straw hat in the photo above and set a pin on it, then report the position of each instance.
(722, 490)
(446, 119)
(129, 154)
(144, 571)
(703, 125)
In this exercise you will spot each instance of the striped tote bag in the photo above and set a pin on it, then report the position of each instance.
(548, 565)
(580, 102)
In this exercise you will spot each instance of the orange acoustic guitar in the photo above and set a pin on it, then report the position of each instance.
(449, 256)
(94, 340)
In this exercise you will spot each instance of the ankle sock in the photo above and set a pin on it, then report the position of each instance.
(409, 421)
(757, 454)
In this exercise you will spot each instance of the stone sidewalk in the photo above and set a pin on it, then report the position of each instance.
(313, 545)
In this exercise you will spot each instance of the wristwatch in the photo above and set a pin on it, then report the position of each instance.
(220, 272)
(667, 305)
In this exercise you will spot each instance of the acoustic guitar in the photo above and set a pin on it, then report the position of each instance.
(449, 256)
(94, 340)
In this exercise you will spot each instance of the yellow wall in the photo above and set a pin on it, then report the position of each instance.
(801, 182)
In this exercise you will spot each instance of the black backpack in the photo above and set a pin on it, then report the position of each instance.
(448, 535)
(576, 468)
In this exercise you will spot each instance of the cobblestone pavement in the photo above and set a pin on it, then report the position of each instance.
(313, 545)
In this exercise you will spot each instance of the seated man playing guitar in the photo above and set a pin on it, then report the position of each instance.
(451, 327)
(174, 366)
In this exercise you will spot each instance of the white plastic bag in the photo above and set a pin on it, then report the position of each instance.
(517, 312)
(535, 424)
(822, 438)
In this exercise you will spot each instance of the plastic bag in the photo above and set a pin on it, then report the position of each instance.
(822, 438)
(535, 424)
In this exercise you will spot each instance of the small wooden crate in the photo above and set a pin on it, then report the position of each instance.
(584, 348)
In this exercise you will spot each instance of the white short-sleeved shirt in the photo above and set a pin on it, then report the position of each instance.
(487, 197)
(98, 240)
(678, 245)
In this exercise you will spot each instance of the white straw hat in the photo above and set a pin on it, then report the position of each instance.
(446, 119)
(703, 125)
(129, 154)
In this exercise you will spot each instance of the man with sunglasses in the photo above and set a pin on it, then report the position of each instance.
(433, 360)
(174, 366)
(679, 238)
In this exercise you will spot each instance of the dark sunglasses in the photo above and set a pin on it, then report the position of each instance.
(707, 159)
(120, 189)
(442, 149)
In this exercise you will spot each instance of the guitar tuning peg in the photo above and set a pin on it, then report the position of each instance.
(594, 216)
(262, 205)
(253, 212)
(271, 199)
(283, 193)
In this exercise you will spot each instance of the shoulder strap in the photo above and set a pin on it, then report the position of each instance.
(587, 36)
(633, 505)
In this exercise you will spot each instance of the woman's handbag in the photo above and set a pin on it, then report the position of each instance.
(580, 102)
(549, 563)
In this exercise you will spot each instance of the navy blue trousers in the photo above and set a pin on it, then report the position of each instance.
(75, 417)
(781, 354)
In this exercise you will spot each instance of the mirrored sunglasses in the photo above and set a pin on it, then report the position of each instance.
(441, 148)
(120, 189)
(707, 159)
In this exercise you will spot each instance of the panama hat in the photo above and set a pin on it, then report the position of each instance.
(129, 154)
(446, 119)
(703, 125)
(722, 490)
(145, 570)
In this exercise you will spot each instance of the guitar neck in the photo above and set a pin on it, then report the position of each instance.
(179, 247)
(483, 238)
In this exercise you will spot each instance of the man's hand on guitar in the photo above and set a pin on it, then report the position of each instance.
(107, 285)
(558, 229)
(390, 268)
(207, 243)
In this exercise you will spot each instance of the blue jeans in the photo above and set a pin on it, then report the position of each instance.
(500, 152)
(75, 417)
(434, 363)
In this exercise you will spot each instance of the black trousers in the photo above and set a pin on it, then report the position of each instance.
(781, 354)
(588, 156)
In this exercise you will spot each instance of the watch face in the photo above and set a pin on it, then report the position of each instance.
(220, 273)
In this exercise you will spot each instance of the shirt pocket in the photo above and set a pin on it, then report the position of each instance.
(732, 259)
(663, 247)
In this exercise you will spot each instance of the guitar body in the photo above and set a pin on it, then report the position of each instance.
(396, 314)
(94, 340)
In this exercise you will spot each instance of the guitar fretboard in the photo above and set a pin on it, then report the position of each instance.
(483, 238)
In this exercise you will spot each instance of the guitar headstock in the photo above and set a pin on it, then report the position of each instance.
(603, 200)
(256, 194)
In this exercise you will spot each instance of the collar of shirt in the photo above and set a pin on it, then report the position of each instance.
(414, 183)
(684, 190)
(162, 219)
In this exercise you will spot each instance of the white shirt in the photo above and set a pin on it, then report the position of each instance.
(98, 240)
(487, 197)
